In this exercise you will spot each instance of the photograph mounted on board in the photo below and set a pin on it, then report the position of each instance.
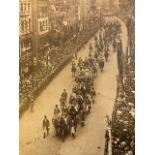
(77, 77)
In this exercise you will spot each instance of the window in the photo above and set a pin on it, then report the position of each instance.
(40, 12)
(22, 26)
(43, 10)
(24, 7)
(30, 43)
(46, 9)
(41, 27)
(22, 46)
(27, 43)
(26, 26)
(21, 7)
(28, 7)
(29, 24)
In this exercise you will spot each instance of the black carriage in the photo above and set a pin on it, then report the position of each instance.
(86, 78)
(61, 126)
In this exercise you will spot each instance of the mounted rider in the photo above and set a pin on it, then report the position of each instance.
(64, 95)
(56, 110)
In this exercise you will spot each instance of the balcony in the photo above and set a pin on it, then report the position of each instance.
(25, 13)
(43, 32)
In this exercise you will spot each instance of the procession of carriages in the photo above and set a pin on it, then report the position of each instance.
(74, 109)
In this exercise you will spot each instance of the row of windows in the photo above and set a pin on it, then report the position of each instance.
(43, 9)
(43, 26)
(25, 26)
(25, 7)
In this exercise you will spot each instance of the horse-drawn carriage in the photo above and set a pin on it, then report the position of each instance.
(61, 125)
(85, 77)
(64, 121)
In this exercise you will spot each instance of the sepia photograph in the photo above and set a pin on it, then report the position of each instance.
(76, 77)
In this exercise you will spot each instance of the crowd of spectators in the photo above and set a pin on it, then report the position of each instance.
(123, 121)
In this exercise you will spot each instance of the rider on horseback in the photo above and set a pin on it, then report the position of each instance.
(64, 94)
(56, 110)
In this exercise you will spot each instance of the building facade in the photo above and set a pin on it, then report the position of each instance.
(40, 11)
(63, 19)
(25, 38)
